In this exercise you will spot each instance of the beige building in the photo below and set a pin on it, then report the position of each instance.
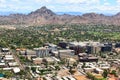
(37, 60)
(88, 70)
(49, 60)
(71, 61)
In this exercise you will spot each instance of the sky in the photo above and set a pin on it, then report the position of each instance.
(84, 6)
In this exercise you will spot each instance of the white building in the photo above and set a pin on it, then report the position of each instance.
(98, 70)
(5, 50)
(16, 70)
(2, 65)
(66, 53)
(8, 58)
(12, 64)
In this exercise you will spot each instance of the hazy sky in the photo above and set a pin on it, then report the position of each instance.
(101, 6)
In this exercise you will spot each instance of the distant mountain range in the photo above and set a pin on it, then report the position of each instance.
(44, 16)
(70, 13)
(6, 13)
(59, 13)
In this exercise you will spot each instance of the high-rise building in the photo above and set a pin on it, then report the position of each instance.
(63, 45)
(91, 49)
(42, 52)
(117, 45)
(107, 47)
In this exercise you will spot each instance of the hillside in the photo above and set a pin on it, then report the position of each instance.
(46, 16)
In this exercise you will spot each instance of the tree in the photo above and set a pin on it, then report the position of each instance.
(57, 67)
(83, 65)
(75, 64)
(92, 77)
(33, 69)
(8, 74)
(114, 73)
(21, 72)
(105, 73)
(71, 70)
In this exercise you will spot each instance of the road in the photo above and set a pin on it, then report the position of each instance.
(18, 61)
(21, 65)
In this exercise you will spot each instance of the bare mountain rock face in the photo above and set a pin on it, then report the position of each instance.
(44, 16)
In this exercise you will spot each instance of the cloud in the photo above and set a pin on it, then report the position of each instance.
(2, 1)
(2, 4)
(61, 5)
(77, 1)
(16, 1)
(118, 1)
(106, 3)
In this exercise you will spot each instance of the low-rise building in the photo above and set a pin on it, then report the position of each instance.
(8, 58)
(71, 61)
(37, 60)
(2, 65)
(16, 70)
(7, 68)
(88, 70)
(5, 50)
(88, 59)
(104, 66)
(49, 60)
(13, 64)
(98, 71)
(65, 53)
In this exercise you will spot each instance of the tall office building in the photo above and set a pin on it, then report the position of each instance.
(42, 52)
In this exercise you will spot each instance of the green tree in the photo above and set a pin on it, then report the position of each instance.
(33, 69)
(8, 74)
(83, 66)
(92, 77)
(75, 64)
(57, 67)
(105, 73)
(71, 70)
(114, 73)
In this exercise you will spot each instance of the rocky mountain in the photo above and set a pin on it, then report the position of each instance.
(44, 16)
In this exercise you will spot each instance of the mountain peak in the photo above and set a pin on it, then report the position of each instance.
(43, 11)
(44, 7)
(92, 15)
(118, 14)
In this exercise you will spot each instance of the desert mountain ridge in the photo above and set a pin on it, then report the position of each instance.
(45, 16)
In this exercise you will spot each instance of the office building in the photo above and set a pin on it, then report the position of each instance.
(42, 52)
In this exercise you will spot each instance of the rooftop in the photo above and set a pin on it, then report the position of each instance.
(16, 70)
